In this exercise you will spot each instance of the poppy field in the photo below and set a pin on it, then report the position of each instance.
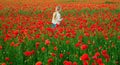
(89, 33)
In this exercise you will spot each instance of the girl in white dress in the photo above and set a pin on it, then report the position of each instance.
(56, 19)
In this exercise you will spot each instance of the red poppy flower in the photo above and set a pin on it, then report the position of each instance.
(77, 44)
(47, 42)
(55, 36)
(68, 41)
(53, 54)
(97, 54)
(94, 57)
(37, 36)
(102, 64)
(80, 37)
(32, 52)
(27, 53)
(61, 55)
(43, 48)
(68, 34)
(55, 48)
(24, 31)
(87, 34)
(50, 29)
(100, 28)
(80, 26)
(93, 63)
(15, 33)
(38, 63)
(119, 37)
(84, 47)
(85, 63)
(0, 47)
(74, 63)
(7, 37)
(37, 45)
(106, 56)
(3, 64)
(7, 58)
(104, 52)
(17, 44)
(99, 61)
(67, 62)
(84, 57)
(50, 60)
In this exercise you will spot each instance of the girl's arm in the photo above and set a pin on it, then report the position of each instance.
(53, 16)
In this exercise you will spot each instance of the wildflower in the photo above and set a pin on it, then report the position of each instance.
(77, 44)
(53, 54)
(3, 64)
(37, 45)
(0, 47)
(67, 62)
(61, 55)
(7, 58)
(84, 57)
(50, 60)
(38, 63)
(43, 48)
(74, 63)
(47, 42)
(84, 47)
(55, 48)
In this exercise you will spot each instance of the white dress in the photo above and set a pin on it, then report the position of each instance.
(58, 19)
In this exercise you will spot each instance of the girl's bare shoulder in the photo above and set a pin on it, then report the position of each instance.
(54, 13)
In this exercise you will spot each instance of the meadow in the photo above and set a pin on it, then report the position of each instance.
(89, 33)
